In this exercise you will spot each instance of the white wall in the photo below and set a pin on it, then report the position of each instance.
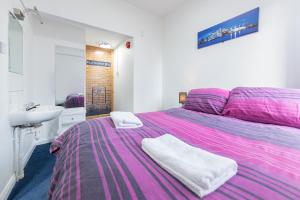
(121, 17)
(19, 84)
(42, 76)
(123, 78)
(260, 59)
(45, 41)
(6, 145)
(13, 95)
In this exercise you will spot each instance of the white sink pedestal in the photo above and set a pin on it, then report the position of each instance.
(20, 158)
(25, 123)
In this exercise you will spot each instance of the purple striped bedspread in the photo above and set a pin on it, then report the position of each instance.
(96, 161)
(74, 101)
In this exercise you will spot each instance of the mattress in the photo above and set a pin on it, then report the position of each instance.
(96, 161)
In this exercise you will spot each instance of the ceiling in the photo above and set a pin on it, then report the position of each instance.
(159, 7)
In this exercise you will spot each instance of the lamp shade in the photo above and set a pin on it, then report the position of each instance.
(182, 97)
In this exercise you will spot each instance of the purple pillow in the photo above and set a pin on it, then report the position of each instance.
(265, 105)
(210, 100)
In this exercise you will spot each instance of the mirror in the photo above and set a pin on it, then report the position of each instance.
(69, 77)
(15, 40)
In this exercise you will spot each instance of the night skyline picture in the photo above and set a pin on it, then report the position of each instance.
(239, 26)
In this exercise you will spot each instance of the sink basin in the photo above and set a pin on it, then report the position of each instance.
(35, 116)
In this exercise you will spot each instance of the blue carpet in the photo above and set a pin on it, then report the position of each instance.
(38, 171)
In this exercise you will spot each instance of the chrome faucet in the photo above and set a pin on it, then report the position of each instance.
(31, 106)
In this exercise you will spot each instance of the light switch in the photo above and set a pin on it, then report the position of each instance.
(3, 48)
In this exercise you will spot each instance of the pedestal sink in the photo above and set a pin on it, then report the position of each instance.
(21, 119)
(35, 116)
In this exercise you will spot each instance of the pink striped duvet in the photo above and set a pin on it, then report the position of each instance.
(96, 161)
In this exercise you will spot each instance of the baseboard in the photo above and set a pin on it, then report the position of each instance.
(8, 188)
(34, 144)
(28, 154)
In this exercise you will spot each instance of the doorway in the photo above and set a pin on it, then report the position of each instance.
(99, 80)
(104, 82)
(109, 72)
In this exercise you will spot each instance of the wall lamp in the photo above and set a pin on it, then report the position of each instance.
(182, 97)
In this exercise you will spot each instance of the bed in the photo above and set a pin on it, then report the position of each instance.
(74, 101)
(96, 161)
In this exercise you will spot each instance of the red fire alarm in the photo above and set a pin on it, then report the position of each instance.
(128, 44)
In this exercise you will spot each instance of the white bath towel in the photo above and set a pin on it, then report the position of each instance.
(125, 120)
(199, 170)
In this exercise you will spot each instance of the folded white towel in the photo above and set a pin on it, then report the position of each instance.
(125, 120)
(199, 170)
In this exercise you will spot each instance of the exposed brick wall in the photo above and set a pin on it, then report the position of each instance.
(98, 76)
